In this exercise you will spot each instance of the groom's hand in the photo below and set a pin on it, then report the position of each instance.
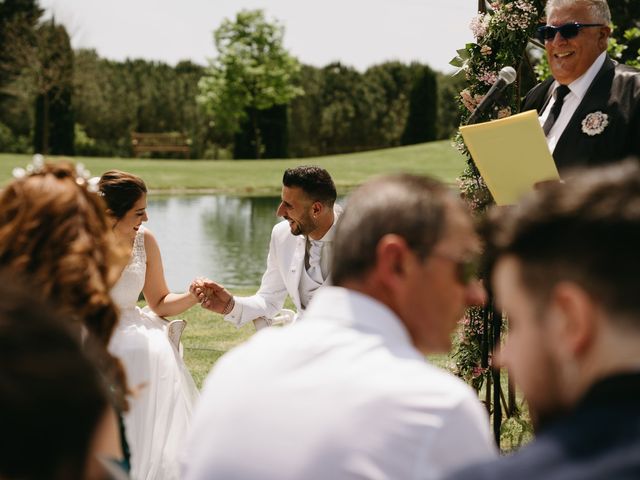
(215, 297)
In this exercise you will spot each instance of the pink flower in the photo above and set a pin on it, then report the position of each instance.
(479, 25)
(488, 77)
(469, 101)
(485, 50)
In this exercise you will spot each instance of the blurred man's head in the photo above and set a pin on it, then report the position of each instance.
(408, 242)
(572, 49)
(308, 195)
(566, 274)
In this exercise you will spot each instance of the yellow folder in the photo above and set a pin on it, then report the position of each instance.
(511, 154)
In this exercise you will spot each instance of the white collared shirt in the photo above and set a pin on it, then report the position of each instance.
(573, 99)
(342, 395)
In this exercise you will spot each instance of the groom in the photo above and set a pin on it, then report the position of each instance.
(299, 252)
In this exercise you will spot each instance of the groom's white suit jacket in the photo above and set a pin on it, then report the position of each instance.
(285, 264)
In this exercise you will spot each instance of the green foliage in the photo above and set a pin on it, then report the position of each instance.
(54, 116)
(9, 142)
(344, 110)
(502, 35)
(619, 48)
(84, 145)
(113, 99)
(625, 14)
(467, 350)
(18, 19)
(252, 72)
(423, 110)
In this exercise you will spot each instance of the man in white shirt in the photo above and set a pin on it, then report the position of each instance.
(590, 109)
(299, 252)
(347, 394)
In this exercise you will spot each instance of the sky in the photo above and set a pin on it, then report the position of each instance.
(359, 33)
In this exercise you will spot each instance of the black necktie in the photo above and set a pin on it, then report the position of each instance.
(561, 92)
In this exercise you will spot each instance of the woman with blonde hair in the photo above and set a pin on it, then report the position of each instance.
(55, 235)
(160, 414)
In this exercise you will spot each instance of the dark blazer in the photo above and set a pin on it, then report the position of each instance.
(599, 440)
(615, 91)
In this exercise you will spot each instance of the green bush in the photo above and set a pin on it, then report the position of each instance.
(10, 143)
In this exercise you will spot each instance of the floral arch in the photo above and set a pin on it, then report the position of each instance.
(503, 32)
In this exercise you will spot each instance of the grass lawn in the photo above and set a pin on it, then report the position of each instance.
(438, 159)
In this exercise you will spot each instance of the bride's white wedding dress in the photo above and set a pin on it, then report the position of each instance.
(160, 412)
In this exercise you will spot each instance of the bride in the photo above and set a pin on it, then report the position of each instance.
(160, 412)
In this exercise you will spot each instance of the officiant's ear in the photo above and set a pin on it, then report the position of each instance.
(603, 38)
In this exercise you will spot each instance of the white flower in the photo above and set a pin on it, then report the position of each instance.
(38, 162)
(18, 172)
(595, 123)
(92, 185)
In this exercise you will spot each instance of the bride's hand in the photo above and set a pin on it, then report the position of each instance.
(196, 288)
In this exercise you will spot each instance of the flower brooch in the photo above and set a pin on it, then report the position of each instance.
(595, 123)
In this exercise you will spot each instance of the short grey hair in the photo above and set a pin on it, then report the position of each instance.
(599, 8)
(410, 206)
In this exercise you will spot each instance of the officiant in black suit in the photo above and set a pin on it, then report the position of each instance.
(590, 109)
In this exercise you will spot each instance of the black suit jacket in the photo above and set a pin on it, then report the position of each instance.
(599, 440)
(614, 91)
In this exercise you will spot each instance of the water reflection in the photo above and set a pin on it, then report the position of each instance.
(222, 237)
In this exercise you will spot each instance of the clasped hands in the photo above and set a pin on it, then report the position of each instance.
(212, 295)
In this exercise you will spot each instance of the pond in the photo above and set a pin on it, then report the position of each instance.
(225, 238)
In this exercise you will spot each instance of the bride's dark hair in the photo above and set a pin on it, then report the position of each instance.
(121, 190)
(54, 232)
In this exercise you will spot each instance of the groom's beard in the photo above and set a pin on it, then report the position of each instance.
(304, 226)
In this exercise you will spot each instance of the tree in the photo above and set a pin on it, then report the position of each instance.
(423, 110)
(18, 20)
(252, 73)
(51, 65)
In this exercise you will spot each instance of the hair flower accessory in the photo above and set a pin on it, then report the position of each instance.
(36, 166)
(82, 174)
(92, 186)
(595, 123)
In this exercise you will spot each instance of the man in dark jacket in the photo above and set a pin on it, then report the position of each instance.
(565, 271)
(590, 109)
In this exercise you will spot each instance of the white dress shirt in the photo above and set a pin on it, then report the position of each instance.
(319, 268)
(571, 102)
(342, 395)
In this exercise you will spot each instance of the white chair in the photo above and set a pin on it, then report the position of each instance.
(174, 332)
(283, 317)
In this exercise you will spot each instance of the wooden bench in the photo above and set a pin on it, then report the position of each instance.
(160, 142)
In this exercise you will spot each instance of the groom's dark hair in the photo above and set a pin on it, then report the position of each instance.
(314, 181)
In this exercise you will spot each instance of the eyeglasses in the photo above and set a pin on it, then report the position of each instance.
(567, 31)
(466, 268)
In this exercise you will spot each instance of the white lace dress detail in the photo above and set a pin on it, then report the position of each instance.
(160, 411)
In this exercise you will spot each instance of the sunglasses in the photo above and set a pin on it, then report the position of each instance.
(567, 31)
(466, 268)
